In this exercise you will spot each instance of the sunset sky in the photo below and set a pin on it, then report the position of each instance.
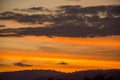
(64, 35)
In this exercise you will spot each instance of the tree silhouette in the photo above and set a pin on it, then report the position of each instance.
(51, 79)
(99, 77)
(59, 79)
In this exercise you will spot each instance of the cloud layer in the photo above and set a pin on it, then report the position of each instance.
(22, 64)
(33, 9)
(67, 21)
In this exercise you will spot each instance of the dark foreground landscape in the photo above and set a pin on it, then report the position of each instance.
(113, 74)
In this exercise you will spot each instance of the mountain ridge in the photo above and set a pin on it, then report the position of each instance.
(47, 74)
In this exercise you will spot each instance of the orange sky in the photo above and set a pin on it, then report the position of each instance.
(47, 53)
(58, 53)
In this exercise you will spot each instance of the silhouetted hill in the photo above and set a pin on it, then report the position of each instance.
(54, 75)
(91, 73)
(81, 75)
(28, 74)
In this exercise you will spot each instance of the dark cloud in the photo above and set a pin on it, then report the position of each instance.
(2, 26)
(93, 10)
(25, 18)
(68, 30)
(22, 64)
(33, 9)
(69, 21)
(2, 65)
(37, 18)
(63, 63)
(69, 9)
(115, 10)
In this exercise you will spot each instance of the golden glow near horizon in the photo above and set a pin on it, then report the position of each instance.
(48, 53)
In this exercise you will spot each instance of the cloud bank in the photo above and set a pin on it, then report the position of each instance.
(67, 21)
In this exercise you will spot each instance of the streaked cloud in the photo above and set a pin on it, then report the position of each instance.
(2, 26)
(33, 9)
(2, 65)
(25, 18)
(63, 63)
(22, 64)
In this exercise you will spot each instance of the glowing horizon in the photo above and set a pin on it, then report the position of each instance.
(50, 59)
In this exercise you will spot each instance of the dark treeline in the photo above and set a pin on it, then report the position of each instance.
(54, 75)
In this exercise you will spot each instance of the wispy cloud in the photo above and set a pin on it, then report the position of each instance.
(24, 18)
(2, 26)
(2, 65)
(22, 64)
(63, 63)
(33, 9)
